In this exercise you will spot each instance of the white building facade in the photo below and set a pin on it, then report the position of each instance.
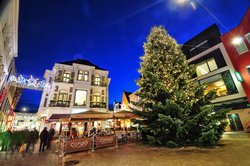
(9, 11)
(75, 87)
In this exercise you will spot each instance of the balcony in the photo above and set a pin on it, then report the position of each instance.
(59, 103)
(94, 83)
(97, 105)
(60, 79)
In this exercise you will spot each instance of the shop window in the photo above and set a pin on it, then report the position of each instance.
(63, 95)
(66, 76)
(80, 75)
(206, 67)
(86, 76)
(248, 69)
(248, 37)
(222, 84)
(80, 97)
(240, 45)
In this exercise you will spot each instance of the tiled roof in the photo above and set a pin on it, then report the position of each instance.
(82, 62)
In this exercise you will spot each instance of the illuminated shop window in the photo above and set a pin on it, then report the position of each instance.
(80, 97)
(206, 67)
(222, 84)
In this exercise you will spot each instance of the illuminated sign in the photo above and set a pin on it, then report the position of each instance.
(238, 76)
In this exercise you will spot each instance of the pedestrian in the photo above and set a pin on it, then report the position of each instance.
(30, 142)
(43, 139)
(50, 138)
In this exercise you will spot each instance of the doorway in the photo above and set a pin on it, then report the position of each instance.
(235, 122)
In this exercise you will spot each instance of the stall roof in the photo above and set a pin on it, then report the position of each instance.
(90, 115)
(56, 117)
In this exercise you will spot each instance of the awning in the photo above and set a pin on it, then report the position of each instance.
(125, 114)
(57, 117)
(91, 115)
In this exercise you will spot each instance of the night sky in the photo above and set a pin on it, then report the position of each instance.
(109, 33)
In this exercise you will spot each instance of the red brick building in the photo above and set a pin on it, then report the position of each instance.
(237, 44)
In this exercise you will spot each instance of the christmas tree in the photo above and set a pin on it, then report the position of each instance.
(175, 110)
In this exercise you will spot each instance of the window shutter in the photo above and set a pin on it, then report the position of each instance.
(56, 89)
(70, 89)
(60, 73)
(45, 102)
(70, 96)
(103, 79)
(72, 75)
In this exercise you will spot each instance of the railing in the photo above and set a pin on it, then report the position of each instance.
(97, 105)
(59, 103)
(60, 79)
(94, 83)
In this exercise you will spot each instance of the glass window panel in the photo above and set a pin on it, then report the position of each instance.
(80, 97)
(248, 37)
(202, 69)
(212, 64)
(80, 75)
(86, 76)
(248, 69)
(218, 86)
(241, 46)
(97, 97)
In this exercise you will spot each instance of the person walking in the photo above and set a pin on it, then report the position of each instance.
(43, 139)
(30, 142)
(50, 138)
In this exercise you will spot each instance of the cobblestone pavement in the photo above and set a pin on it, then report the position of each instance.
(46, 158)
(234, 150)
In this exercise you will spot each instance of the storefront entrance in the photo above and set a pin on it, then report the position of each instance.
(235, 122)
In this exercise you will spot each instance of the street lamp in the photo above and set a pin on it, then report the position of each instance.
(237, 40)
(24, 109)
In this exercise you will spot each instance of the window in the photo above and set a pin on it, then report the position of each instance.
(63, 95)
(248, 37)
(222, 84)
(86, 76)
(97, 80)
(80, 75)
(240, 45)
(102, 92)
(206, 67)
(96, 97)
(248, 69)
(80, 97)
(66, 76)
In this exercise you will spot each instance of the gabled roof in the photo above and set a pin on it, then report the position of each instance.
(82, 62)
(127, 95)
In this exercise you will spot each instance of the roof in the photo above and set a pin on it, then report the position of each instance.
(56, 117)
(82, 62)
(127, 95)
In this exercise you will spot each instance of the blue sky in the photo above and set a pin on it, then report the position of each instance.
(109, 33)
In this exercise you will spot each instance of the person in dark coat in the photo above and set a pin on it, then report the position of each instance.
(30, 142)
(43, 139)
(50, 138)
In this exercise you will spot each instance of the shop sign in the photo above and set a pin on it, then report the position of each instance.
(78, 144)
(105, 141)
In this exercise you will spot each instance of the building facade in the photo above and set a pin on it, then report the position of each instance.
(237, 44)
(9, 10)
(214, 67)
(76, 87)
